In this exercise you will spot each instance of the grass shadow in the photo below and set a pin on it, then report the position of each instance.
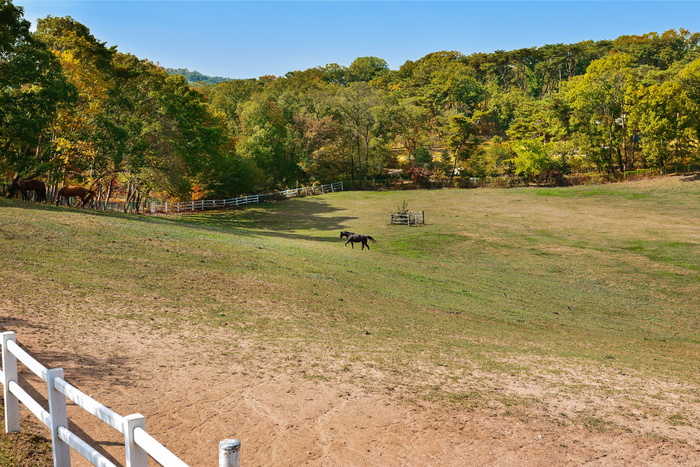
(86, 374)
(271, 219)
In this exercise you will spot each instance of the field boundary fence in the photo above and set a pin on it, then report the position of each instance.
(205, 204)
(138, 443)
(514, 181)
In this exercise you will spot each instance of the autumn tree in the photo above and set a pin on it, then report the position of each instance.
(32, 89)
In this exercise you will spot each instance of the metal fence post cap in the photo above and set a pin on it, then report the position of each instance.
(231, 445)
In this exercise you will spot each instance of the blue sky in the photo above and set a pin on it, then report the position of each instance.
(249, 39)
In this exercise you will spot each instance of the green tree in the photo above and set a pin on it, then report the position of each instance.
(532, 158)
(689, 79)
(360, 110)
(366, 69)
(462, 138)
(666, 118)
(409, 125)
(230, 96)
(600, 104)
(32, 89)
(76, 128)
(270, 139)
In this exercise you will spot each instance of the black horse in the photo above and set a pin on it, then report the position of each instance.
(25, 186)
(356, 238)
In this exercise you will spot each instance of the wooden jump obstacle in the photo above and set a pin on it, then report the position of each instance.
(408, 218)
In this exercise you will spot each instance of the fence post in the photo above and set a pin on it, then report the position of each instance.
(9, 371)
(136, 456)
(229, 453)
(58, 417)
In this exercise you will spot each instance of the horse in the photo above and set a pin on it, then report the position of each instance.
(25, 186)
(356, 238)
(67, 192)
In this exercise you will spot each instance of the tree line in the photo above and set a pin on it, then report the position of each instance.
(74, 110)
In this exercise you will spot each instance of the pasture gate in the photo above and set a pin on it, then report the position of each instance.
(408, 218)
(138, 444)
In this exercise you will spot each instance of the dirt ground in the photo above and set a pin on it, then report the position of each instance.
(194, 396)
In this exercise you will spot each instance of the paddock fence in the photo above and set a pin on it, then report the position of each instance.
(408, 218)
(514, 181)
(206, 204)
(138, 444)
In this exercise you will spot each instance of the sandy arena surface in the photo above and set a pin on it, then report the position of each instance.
(194, 396)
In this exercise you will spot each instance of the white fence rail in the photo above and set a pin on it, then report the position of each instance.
(204, 204)
(139, 445)
(408, 218)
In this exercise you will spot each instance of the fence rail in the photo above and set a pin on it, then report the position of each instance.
(139, 445)
(204, 204)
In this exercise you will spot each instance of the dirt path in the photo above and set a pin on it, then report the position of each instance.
(193, 396)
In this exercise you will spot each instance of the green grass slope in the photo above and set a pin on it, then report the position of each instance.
(504, 283)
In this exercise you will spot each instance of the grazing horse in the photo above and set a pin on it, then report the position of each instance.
(357, 238)
(67, 192)
(25, 186)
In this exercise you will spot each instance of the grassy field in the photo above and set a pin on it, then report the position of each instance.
(561, 286)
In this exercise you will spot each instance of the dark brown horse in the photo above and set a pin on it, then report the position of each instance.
(25, 186)
(67, 192)
(357, 238)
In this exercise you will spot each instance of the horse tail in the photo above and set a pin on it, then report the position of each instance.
(370, 238)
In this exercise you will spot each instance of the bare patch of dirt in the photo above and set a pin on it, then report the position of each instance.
(199, 386)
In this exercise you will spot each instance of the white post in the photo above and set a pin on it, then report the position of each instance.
(9, 371)
(136, 456)
(57, 417)
(229, 453)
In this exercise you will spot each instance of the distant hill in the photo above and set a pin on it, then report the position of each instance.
(195, 76)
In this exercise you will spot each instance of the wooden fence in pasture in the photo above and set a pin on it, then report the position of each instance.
(138, 444)
(119, 206)
(205, 204)
(408, 218)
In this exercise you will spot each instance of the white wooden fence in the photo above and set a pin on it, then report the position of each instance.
(139, 445)
(408, 218)
(204, 204)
